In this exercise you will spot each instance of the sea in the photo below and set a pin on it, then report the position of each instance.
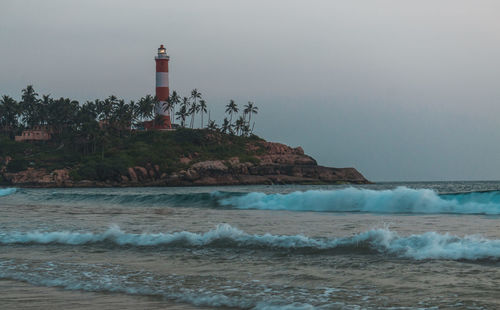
(428, 245)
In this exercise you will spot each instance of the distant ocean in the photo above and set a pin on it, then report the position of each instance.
(380, 246)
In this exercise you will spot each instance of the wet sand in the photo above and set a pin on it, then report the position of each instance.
(20, 295)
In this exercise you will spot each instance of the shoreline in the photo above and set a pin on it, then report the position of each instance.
(267, 182)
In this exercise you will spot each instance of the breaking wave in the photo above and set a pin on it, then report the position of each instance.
(430, 245)
(7, 191)
(399, 200)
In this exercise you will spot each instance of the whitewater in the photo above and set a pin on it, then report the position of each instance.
(380, 246)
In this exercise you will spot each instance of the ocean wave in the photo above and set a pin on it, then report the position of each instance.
(430, 245)
(399, 200)
(83, 197)
(7, 191)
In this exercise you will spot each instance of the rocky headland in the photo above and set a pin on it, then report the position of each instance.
(270, 163)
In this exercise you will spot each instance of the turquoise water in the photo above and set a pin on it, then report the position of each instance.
(384, 246)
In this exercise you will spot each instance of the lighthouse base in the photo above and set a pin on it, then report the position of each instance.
(161, 122)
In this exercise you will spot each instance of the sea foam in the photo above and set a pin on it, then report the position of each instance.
(399, 200)
(7, 191)
(430, 245)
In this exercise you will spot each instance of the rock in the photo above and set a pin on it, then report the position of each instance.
(217, 165)
(299, 150)
(61, 176)
(276, 164)
(184, 160)
(141, 172)
(132, 175)
(233, 161)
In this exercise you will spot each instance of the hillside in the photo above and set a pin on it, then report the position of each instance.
(176, 158)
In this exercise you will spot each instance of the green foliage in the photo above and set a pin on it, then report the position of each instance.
(95, 141)
(249, 159)
(108, 169)
(17, 165)
(139, 149)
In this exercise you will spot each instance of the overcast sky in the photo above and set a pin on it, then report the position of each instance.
(401, 90)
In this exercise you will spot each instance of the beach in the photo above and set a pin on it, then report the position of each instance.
(401, 246)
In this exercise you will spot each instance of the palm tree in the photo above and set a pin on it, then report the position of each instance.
(168, 106)
(63, 116)
(159, 120)
(245, 130)
(145, 107)
(9, 114)
(240, 123)
(203, 109)
(195, 94)
(212, 126)
(226, 126)
(30, 107)
(231, 108)
(192, 111)
(122, 116)
(185, 103)
(181, 115)
(175, 100)
(44, 106)
(250, 109)
(88, 127)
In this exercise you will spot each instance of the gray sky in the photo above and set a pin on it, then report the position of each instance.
(401, 90)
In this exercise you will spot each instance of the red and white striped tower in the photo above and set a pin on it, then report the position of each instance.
(162, 91)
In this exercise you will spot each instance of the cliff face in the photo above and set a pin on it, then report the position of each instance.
(274, 163)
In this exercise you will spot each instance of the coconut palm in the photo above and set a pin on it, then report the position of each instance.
(181, 115)
(43, 109)
(250, 109)
(212, 126)
(9, 114)
(175, 99)
(185, 103)
(231, 108)
(245, 130)
(62, 116)
(168, 106)
(144, 108)
(203, 109)
(226, 126)
(30, 107)
(195, 94)
(192, 111)
(240, 123)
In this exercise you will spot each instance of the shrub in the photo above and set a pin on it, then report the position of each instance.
(17, 165)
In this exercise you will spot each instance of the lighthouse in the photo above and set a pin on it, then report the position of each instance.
(162, 90)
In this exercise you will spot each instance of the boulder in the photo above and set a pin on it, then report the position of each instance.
(217, 165)
(141, 172)
(132, 175)
(185, 160)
